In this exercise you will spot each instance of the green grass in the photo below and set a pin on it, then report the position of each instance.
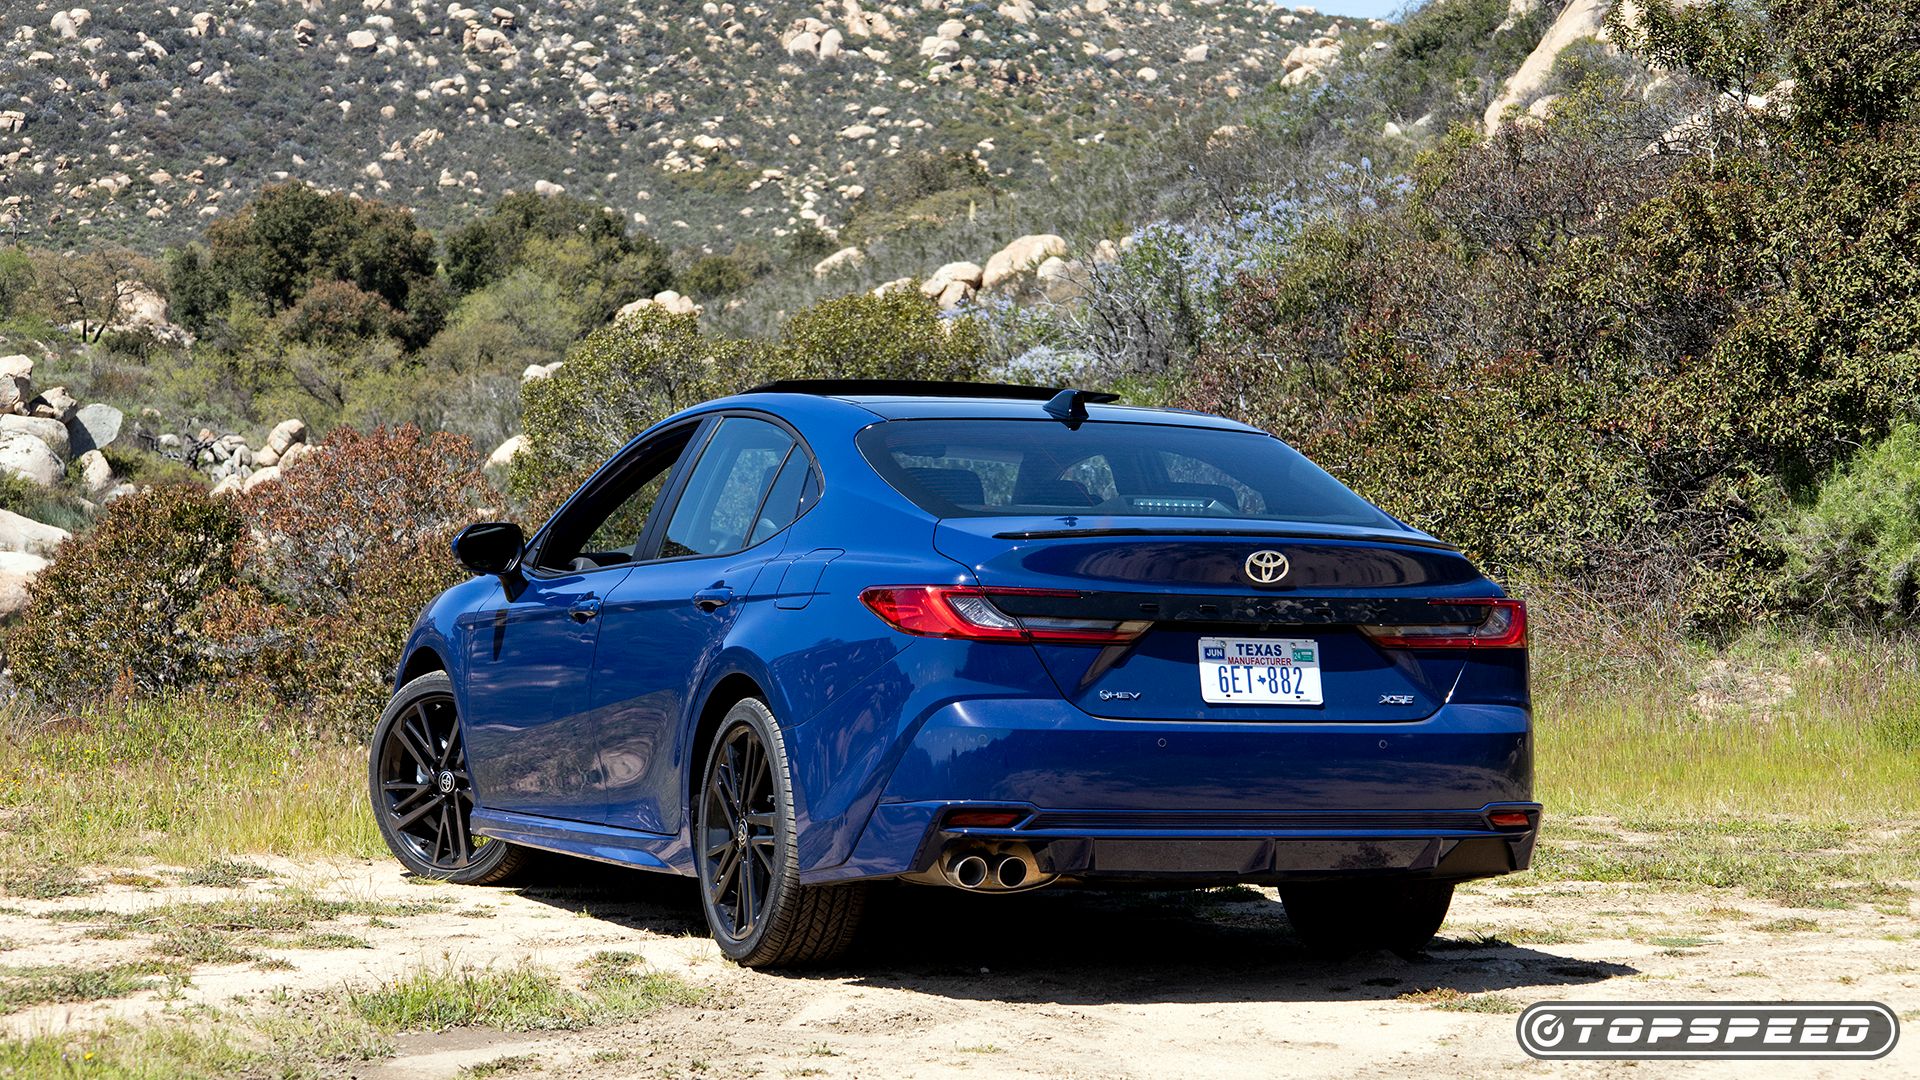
(326, 1034)
(523, 998)
(23, 988)
(1451, 1000)
(1808, 727)
(188, 781)
(1799, 864)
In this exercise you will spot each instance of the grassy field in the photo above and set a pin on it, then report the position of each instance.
(1770, 730)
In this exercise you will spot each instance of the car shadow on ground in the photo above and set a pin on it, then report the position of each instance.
(1081, 946)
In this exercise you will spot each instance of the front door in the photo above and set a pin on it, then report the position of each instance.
(527, 718)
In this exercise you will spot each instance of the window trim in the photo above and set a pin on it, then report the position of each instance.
(608, 474)
(646, 549)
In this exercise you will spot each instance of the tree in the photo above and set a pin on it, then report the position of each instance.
(92, 288)
(488, 249)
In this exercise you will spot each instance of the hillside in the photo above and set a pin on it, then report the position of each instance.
(706, 123)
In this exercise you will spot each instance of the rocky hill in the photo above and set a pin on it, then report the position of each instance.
(705, 122)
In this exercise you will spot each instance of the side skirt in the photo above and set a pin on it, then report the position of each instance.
(587, 840)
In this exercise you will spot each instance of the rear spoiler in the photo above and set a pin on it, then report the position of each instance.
(1409, 539)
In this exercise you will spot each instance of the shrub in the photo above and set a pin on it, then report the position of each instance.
(348, 545)
(336, 313)
(112, 612)
(713, 276)
(899, 335)
(616, 382)
(1854, 553)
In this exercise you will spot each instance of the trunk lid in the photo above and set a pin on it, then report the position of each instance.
(1190, 579)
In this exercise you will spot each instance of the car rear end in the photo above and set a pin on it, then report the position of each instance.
(1180, 653)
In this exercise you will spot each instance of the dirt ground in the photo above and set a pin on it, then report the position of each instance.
(1058, 983)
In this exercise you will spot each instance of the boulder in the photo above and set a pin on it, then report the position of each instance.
(94, 427)
(285, 434)
(26, 457)
(295, 453)
(51, 432)
(1020, 256)
(362, 40)
(668, 301)
(16, 382)
(955, 294)
(230, 485)
(843, 259)
(1196, 54)
(96, 473)
(965, 272)
(17, 571)
(260, 476)
(1579, 19)
(54, 404)
(503, 454)
(21, 533)
(541, 371)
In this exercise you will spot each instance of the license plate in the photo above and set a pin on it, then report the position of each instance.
(1260, 671)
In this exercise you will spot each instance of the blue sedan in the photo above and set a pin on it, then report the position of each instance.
(986, 638)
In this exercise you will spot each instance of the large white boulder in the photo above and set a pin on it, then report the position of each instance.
(504, 454)
(1579, 19)
(21, 533)
(28, 458)
(96, 473)
(49, 431)
(843, 259)
(17, 571)
(94, 427)
(257, 477)
(1020, 256)
(16, 381)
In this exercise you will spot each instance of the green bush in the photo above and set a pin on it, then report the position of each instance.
(112, 612)
(1854, 553)
(899, 335)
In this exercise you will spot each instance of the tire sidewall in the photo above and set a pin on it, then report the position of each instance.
(752, 713)
(487, 859)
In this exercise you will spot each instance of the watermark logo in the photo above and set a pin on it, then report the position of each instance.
(1699, 1029)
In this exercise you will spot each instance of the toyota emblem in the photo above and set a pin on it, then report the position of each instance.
(1267, 567)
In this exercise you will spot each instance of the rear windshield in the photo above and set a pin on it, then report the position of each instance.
(1007, 468)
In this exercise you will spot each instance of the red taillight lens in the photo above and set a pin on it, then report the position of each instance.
(1505, 627)
(1509, 819)
(982, 819)
(963, 611)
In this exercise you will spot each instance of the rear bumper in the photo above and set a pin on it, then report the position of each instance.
(1209, 803)
(910, 838)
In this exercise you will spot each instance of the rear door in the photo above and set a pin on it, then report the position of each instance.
(667, 621)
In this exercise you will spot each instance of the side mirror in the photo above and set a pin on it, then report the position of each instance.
(490, 547)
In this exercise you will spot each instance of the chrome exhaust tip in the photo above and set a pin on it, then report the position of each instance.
(1011, 873)
(969, 871)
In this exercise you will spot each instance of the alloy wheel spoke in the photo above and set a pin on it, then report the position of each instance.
(408, 819)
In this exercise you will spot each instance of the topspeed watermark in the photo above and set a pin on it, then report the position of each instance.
(1700, 1029)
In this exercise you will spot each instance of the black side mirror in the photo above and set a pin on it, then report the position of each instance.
(490, 547)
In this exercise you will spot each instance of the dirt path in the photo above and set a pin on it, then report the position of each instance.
(1057, 984)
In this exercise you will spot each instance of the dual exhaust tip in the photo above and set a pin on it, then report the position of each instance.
(980, 870)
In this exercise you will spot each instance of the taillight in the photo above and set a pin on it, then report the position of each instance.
(1505, 627)
(963, 611)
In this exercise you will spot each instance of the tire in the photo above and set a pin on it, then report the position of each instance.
(1338, 919)
(422, 793)
(747, 858)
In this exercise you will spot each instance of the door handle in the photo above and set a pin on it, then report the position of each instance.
(584, 610)
(713, 599)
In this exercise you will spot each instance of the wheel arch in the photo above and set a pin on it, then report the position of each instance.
(422, 660)
(730, 690)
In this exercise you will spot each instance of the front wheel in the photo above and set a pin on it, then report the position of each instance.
(1336, 919)
(745, 851)
(423, 794)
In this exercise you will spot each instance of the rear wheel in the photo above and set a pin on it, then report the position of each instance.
(423, 794)
(745, 852)
(1335, 919)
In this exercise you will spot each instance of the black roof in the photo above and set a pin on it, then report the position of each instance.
(906, 388)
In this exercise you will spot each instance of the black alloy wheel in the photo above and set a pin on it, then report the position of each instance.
(422, 791)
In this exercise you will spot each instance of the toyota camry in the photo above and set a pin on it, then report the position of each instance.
(993, 639)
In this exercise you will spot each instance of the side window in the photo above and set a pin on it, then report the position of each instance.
(718, 510)
(604, 528)
(795, 489)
